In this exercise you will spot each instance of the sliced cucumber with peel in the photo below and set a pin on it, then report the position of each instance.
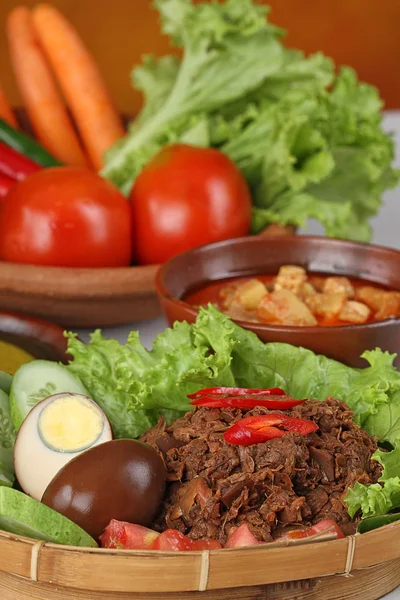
(5, 381)
(7, 439)
(37, 380)
(6, 476)
(23, 515)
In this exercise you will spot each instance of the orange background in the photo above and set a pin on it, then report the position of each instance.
(362, 33)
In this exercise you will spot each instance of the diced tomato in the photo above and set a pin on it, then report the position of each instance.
(206, 544)
(241, 536)
(122, 535)
(328, 526)
(294, 534)
(172, 540)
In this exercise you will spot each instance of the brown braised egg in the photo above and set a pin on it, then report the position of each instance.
(121, 479)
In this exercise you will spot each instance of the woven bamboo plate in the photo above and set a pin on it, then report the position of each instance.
(360, 567)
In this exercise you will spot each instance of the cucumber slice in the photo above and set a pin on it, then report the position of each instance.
(23, 515)
(5, 381)
(37, 380)
(6, 477)
(7, 434)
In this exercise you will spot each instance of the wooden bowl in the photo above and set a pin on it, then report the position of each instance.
(38, 338)
(361, 567)
(251, 256)
(85, 297)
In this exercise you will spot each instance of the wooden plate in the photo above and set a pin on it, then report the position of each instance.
(84, 297)
(80, 297)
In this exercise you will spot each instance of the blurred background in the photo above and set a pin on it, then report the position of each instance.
(360, 33)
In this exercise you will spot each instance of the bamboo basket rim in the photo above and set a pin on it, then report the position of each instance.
(101, 569)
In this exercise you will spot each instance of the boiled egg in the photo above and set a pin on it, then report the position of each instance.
(55, 431)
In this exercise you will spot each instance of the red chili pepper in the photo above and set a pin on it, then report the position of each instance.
(272, 402)
(6, 184)
(260, 428)
(220, 397)
(231, 391)
(16, 165)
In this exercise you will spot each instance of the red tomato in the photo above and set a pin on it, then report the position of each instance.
(66, 216)
(172, 540)
(241, 536)
(206, 544)
(119, 534)
(186, 197)
(326, 525)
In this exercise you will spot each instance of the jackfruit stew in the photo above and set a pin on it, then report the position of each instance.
(297, 298)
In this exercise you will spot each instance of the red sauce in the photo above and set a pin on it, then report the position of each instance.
(210, 293)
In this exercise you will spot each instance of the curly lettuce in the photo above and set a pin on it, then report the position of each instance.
(309, 141)
(132, 384)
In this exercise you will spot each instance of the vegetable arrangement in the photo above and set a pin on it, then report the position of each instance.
(122, 390)
(238, 134)
(215, 351)
(309, 142)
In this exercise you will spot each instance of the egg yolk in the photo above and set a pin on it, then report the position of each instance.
(70, 424)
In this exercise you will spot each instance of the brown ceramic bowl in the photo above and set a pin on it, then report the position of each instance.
(252, 256)
(38, 338)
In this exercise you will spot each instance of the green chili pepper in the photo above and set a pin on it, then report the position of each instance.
(26, 145)
(371, 523)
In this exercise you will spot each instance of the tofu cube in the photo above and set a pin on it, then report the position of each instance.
(283, 307)
(307, 290)
(385, 304)
(249, 293)
(337, 285)
(290, 278)
(354, 312)
(227, 294)
(326, 305)
(390, 307)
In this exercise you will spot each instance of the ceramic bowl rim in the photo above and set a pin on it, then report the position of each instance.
(319, 329)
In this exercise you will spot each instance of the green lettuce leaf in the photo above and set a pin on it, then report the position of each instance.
(133, 384)
(374, 499)
(323, 156)
(229, 50)
(309, 142)
(378, 499)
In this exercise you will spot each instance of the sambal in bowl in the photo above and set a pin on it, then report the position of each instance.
(335, 297)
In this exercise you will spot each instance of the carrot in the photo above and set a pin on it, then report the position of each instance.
(80, 81)
(45, 107)
(5, 110)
